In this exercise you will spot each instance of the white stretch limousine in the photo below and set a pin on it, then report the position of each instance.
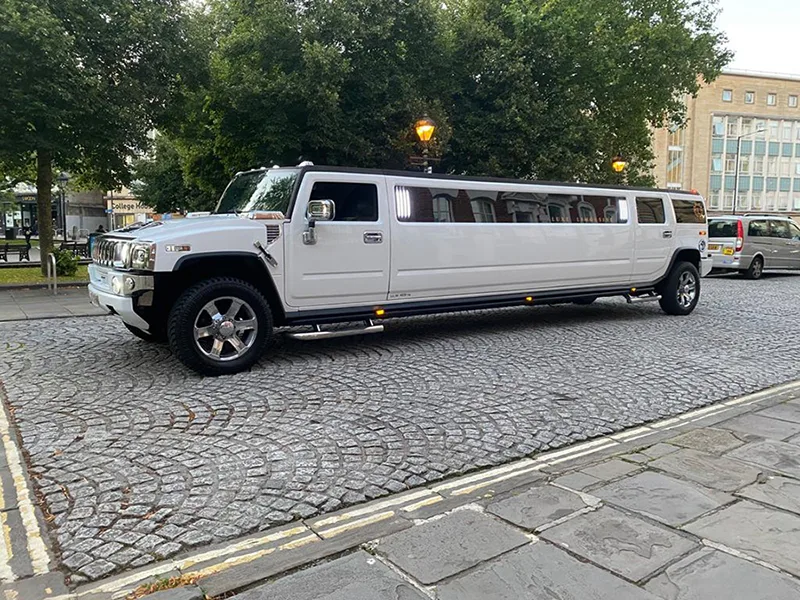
(314, 245)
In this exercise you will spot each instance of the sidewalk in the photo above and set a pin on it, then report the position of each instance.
(21, 304)
(701, 506)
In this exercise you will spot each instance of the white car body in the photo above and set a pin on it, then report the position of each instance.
(395, 265)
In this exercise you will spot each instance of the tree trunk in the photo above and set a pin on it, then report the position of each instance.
(44, 204)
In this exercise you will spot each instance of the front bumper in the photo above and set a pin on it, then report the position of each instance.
(122, 304)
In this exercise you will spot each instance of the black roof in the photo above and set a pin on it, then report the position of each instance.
(421, 175)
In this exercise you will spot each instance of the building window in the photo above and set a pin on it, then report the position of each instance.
(442, 209)
(716, 164)
(758, 199)
(773, 130)
(796, 203)
(727, 95)
(675, 167)
(718, 127)
(730, 163)
(744, 165)
(792, 101)
(772, 165)
(714, 200)
(733, 126)
(758, 165)
(483, 211)
(727, 200)
(787, 131)
(783, 201)
(785, 168)
(772, 99)
(761, 127)
(747, 126)
(749, 97)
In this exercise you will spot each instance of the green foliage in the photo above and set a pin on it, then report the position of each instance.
(160, 182)
(83, 82)
(522, 88)
(66, 263)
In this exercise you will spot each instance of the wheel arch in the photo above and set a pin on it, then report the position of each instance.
(241, 265)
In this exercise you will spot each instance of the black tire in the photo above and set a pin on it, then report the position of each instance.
(585, 301)
(675, 298)
(755, 270)
(190, 308)
(156, 337)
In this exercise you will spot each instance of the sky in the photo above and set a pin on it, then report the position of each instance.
(763, 34)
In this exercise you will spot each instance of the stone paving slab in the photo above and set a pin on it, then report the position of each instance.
(711, 471)
(662, 498)
(707, 439)
(537, 506)
(358, 576)
(539, 571)
(628, 546)
(711, 575)
(444, 547)
(610, 469)
(778, 491)
(762, 426)
(778, 456)
(768, 535)
(784, 412)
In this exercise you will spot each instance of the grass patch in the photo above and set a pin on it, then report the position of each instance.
(33, 275)
(161, 585)
(18, 242)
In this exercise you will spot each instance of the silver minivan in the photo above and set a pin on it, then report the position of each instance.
(751, 243)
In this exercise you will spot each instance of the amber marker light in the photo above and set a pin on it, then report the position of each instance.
(379, 312)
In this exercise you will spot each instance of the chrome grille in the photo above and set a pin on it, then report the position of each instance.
(103, 251)
(273, 233)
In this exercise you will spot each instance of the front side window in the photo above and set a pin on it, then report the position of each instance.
(267, 190)
(650, 210)
(354, 202)
(689, 211)
(794, 231)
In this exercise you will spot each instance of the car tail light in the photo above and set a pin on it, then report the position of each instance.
(739, 235)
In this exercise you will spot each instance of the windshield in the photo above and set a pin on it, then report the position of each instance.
(259, 190)
(722, 229)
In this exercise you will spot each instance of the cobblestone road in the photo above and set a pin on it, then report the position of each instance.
(139, 459)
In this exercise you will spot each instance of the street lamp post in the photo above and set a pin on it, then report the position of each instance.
(62, 180)
(736, 171)
(425, 128)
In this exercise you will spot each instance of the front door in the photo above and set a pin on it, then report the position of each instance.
(794, 247)
(655, 238)
(781, 240)
(349, 263)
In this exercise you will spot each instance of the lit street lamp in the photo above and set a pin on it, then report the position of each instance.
(425, 129)
(736, 177)
(618, 163)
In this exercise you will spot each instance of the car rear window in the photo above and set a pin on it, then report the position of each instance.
(722, 229)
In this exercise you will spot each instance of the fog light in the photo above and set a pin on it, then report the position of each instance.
(130, 284)
(116, 285)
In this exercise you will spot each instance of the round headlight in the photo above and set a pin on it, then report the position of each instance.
(116, 285)
(130, 284)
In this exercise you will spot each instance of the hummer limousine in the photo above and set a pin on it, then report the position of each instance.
(314, 246)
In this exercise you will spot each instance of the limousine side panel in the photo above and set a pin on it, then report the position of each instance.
(447, 259)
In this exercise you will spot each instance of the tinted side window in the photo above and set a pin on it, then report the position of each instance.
(650, 210)
(689, 211)
(756, 229)
(354, 201)
(794, 230)
(436, 205)
(780, 229)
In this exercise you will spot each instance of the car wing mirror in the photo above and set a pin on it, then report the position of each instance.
(317, 210)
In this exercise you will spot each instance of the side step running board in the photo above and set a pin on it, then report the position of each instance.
(636, 299)
(319, 334)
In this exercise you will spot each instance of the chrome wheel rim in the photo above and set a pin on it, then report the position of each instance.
(225, 329)
(687, 289)
(757, 268)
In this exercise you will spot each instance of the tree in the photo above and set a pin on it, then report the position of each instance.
(522, 88)
(83, 82)
(160, 183)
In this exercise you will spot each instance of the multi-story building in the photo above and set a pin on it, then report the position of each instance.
(752, 119)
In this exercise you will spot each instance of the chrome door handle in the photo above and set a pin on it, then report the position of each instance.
(666, 234)
(373, 237)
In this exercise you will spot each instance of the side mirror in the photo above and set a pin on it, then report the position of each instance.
(320, 210)
(317, 210)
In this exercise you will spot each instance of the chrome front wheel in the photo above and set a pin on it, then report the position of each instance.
(225, 328)
(687, 289)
